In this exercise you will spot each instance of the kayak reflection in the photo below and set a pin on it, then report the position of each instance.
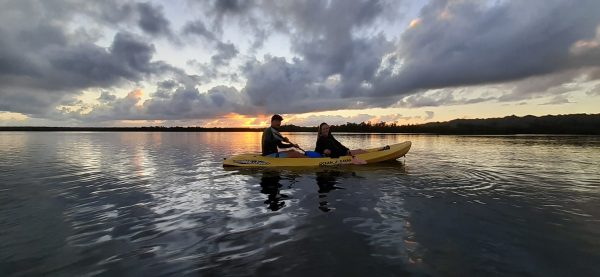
(270, 184)
(327, 181)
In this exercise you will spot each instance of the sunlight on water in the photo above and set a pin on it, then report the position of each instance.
(162, 204)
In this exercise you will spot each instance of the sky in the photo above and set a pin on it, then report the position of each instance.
(235, 63)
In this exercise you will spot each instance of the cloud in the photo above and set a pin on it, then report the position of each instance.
(455, 43)
(80, 66)
(226, 51)
(198, 28)
(152, 21)
(171, 101)
(58, 72)
(558, 100)
(106, 97)
(44, 61)
(595, 91)
(429, 115)
(334, 67)
(460, 43)
(443, 97)
(279, 86)
(342, 55)
(325, 35)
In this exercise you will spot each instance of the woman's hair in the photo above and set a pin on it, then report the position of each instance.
(320, 129)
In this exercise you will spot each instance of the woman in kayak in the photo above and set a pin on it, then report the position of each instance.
(328, 146)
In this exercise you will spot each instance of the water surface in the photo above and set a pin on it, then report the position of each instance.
(90, 203)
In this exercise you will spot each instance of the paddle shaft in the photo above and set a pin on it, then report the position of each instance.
(296, 147)
(299, 148)
(277, 134)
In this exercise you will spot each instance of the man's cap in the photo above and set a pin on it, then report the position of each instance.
(276, 117)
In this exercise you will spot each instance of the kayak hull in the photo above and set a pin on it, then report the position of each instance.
(373, 155)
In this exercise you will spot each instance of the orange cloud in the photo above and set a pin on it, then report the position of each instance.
(135, 96)
(414, 23)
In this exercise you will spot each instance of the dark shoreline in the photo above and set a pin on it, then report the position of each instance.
(572, 124)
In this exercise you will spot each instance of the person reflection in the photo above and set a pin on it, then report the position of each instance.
(326, 180)
(270, 184)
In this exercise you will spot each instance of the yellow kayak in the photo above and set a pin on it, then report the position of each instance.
(373, 155)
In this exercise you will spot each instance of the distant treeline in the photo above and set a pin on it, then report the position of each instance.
(580, 124)
(577, 124)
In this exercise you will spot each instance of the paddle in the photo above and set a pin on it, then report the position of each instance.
(310, 154)
(300, 148)
(297, 146)
(282, 138)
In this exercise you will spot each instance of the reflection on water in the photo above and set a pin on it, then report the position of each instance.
(271, 186)
(327, 182)
(161, 204)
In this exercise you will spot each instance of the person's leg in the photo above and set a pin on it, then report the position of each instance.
(358, 151)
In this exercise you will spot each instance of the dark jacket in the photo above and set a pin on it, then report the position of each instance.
(329, 142)
(270, 142)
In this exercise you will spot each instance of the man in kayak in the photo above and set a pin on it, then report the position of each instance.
(271, 139)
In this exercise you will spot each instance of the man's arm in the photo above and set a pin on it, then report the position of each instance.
(280, 144)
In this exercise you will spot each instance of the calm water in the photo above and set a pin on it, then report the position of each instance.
(147, 204)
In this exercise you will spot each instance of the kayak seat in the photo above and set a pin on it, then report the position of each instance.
(312, 154)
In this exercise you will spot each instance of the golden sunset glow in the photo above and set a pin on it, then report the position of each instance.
(238, 120)
(12, 116)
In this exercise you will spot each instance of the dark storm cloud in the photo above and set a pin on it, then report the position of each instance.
(105, 96)
(324, 34)
(60, 72)
(198, 28)
(340, 58)
(44, 63)
(168, 84)
(171, 101)
(334, 62)
(222, 8)
(455, 43)
(438, 98)
(89, 65)
(225, 52)
(230, 6)
(152, 20)
(277, 86)
(186, 103)
(471, 42)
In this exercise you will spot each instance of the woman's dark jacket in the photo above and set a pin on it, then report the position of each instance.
(329, 142)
